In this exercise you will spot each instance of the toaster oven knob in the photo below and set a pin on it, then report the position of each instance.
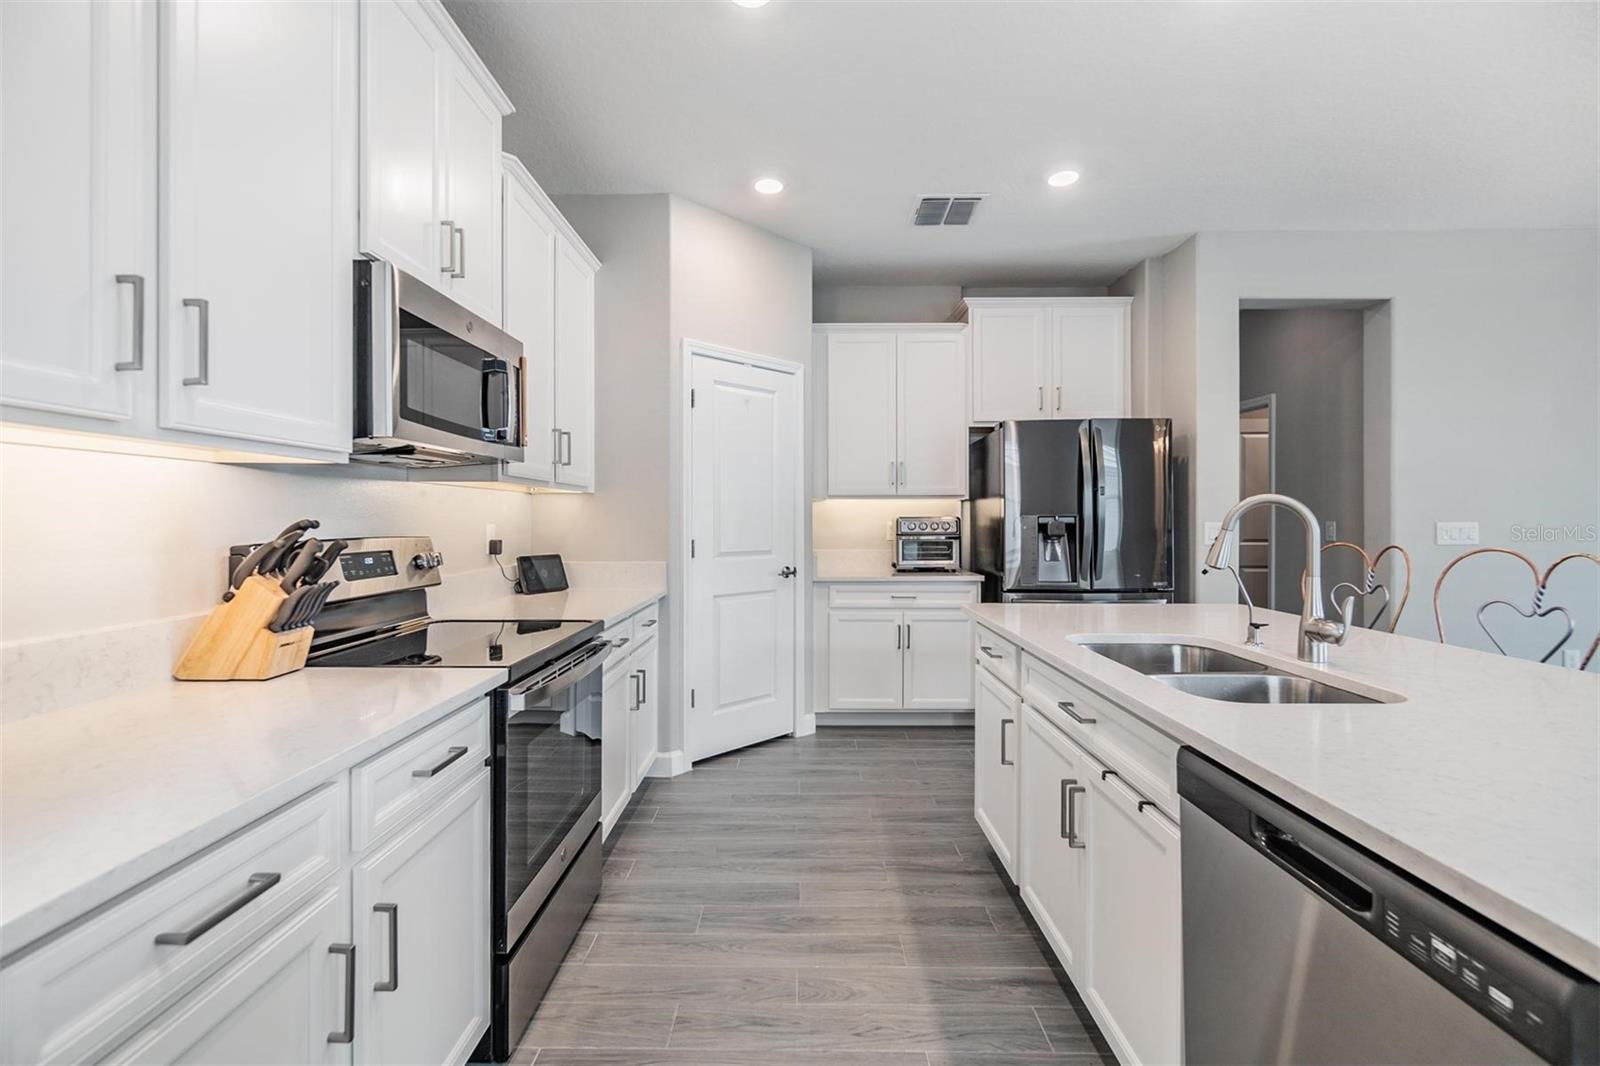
(427, 560)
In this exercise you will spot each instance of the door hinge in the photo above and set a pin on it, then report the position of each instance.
(691, 698)
(691, 397)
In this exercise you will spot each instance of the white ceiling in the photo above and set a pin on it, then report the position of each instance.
(1182, 117)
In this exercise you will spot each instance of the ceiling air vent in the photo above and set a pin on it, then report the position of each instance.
(945, 210)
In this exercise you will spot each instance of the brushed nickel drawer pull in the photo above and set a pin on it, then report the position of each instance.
(257, 884)
(990, 652)
(1068, 705)
(452, 755)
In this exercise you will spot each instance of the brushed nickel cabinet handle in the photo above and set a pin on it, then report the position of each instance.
(1041, 397)
(902, 473)
(1058, 397)
(348, 1033)
(1068, 705)
(1073, 791)
(449, 247)
(644, 687)
(137, 362)
(393, 981)
(555, 447)
(451, 755)
(990, 652)
(460, 262)
(257, 884)
(1066, 807)
(566, 447)
(648, 622)
(1003, 760)
(204, 353)
(908, 636)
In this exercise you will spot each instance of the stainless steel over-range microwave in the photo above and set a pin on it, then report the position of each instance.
(435, 385)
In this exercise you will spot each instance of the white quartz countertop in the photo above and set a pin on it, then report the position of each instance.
(1484, 782)
(96, 798)
(608, 605)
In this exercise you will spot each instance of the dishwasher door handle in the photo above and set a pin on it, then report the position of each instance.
(1311, 868)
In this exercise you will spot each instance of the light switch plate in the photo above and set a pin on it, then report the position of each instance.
(1455, 533)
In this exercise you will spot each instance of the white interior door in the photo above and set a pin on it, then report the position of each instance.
(744, 475)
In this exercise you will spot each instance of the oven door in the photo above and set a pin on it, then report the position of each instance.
(547, 784)
(925, 553)
(435, 382)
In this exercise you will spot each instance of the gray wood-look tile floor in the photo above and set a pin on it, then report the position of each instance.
(823, 901)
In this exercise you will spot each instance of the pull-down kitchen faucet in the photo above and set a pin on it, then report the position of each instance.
(1316, 630)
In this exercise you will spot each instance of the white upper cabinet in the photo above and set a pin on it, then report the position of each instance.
(932, 414)
(430, 152)
(1010, 361)
(1089, 364)
(896, 410)
(574, 386)
(549, 307)
(862, 459)
(258, 210)
(1065, 357)
(77, 206)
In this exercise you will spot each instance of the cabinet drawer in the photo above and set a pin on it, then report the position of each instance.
(1145, 758)
(996, 655)
(647, 622)
(392, 786)
(79, 994)
(901, 595)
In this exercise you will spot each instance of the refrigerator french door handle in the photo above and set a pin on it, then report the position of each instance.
(1097, 455)
(1086, 509)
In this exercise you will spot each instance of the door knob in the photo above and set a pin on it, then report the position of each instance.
(788, 571)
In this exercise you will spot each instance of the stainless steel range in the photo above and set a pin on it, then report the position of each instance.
(545, 739)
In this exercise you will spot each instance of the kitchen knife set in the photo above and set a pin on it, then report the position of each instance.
(297, 565)
(262, 628)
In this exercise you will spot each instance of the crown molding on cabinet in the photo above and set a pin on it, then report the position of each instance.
(518, 170)
(467, 54)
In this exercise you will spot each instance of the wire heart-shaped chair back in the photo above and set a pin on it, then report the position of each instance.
(1537, 606)
(1385, 620)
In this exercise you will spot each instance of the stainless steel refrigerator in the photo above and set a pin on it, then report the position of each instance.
(1062, 509)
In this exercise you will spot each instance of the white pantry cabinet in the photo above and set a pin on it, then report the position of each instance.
(897, 645)
(430, 152)
(549, 307)
(1066, 357)
(896, 410)
(996, 715)
(190, 286)
(77, 206)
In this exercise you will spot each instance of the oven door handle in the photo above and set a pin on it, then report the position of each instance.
(558, 678)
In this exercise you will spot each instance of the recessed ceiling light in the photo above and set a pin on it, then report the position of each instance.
(751, 3)
(769, 186)
(1062, 178)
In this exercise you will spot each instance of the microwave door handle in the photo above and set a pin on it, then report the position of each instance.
(496, 421)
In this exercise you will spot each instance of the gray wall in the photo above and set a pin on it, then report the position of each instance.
(1311, 359)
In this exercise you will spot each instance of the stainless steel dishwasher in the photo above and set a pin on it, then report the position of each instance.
(1300, 947)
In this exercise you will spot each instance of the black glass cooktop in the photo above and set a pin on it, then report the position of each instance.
(517, 646)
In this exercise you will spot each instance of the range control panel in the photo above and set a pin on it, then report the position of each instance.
(367, 565)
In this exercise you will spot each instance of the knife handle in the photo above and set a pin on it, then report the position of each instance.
(295, 569)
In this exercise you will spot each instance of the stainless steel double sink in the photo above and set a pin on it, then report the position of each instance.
(1219, 675)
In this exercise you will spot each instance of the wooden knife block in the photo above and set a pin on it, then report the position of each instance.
(234, 643)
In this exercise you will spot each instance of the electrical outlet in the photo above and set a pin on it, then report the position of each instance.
(1330, 530)
(1450, 533)
(489, 533)
(1571, 658)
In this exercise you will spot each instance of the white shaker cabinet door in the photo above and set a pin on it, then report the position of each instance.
(259, 220)
(77, 205)
(646, 674)
(1089, 360)
(284, 1000)
(938, 660)
(472, 190)
(1135, 913)
(1054, 812)
(1010, 362)
(421, 907)
(401, 57)
(530, 316)
(996, 736)
(932, 423)
(617, 693)
(862, 456)
(865, 660)
(574, 361)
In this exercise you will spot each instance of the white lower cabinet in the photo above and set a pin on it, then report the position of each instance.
(899, 646)
(616, 713)
(645, 670)
(864, 651)
(1054, 859)
(995, 721)
(1135, 984)
(937, 664)
(421, 906)
(630, 709)
(283, 1000)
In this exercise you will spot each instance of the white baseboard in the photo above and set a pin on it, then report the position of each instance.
(806, 726)
(893, 718)
(669, 764)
